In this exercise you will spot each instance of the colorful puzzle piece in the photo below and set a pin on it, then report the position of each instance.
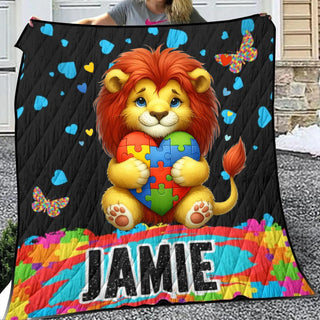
(161, 199)
(163, 175)
(160, 193)
(141, 155)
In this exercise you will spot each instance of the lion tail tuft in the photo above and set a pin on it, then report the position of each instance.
(234, 160)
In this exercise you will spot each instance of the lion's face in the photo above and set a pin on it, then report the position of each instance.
(157, 113)
(157, 92)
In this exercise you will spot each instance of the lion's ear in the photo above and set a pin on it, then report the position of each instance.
(202, 79)
(115, 80)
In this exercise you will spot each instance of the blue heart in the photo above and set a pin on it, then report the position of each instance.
(68, 69)
(272, 40)
(153, 30)
(72, 129)
(51, 74)
(47, 29)
(225, 35)
(82, 87)
(59, 178)
(19, 112)
(225, 175)
(271, 96)
(227, 138)
(106, 46)
(128, 40)
(22, 75)
(226, 92)
(64, 42)
(271, 57)
(264, 117)
(176, 38)
(203, 52)
(238, 84)
(40, 102)
(247, 24)
(228, 116)
(81, 143)
(62, 93)
(110, 65)
(255, 147)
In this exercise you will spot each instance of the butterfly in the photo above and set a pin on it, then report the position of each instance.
(236, 60)
(41, 204)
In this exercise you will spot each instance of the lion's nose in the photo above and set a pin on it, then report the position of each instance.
(159, 115)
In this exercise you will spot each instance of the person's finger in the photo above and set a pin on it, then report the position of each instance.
(30, 21)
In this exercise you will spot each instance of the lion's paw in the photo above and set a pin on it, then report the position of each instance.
(144, 172)
(120, 217)
(176, 171)
(200, 213)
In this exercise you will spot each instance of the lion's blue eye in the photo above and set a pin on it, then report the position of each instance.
(141, 102)
(175, 103)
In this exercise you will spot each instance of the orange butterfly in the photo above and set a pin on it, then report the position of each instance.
(236, 60)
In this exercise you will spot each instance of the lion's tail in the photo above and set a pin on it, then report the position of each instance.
(233, 163)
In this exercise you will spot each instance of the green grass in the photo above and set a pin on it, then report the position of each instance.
(7, 253)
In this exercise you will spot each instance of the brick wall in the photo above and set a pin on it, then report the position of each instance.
(297, 94)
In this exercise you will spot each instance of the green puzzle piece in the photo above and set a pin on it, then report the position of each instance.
(283, 270)
(23, 272)
(159, 199)
(180, 139)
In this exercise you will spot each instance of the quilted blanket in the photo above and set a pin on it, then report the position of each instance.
(146, 168)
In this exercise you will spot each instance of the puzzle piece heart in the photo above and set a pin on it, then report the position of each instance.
(160, 193)
(176, 38)
(47, 29)
(59, 178)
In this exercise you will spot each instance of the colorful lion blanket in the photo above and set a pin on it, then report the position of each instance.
(146, 168)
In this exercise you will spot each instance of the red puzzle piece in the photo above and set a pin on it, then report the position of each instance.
(162, 174)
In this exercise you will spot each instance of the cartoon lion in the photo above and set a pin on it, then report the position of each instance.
(159, 92)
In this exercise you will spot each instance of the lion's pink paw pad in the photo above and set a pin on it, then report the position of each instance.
(120, 217)
(200, 213)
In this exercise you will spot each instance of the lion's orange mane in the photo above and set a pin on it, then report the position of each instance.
(160, 67)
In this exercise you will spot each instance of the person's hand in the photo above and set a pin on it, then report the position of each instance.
(30, 20)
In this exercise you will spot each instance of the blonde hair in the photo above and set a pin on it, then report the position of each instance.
(179, 11)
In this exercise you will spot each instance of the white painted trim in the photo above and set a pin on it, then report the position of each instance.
(274, 9)
(27, 8)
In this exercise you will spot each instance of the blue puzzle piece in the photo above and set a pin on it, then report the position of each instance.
(145, 191)
(159, 154)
